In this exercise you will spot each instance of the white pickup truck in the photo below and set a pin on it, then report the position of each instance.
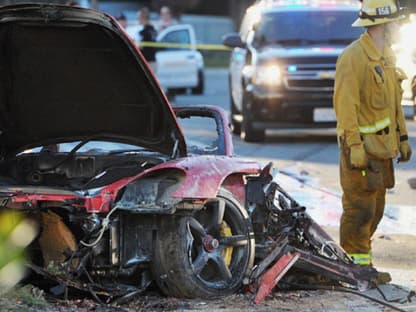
(179, 69)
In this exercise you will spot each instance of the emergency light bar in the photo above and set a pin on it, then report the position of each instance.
(268, 3)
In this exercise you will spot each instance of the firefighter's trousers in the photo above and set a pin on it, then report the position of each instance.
(363, 203)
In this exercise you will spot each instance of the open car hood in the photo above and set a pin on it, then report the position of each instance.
(68, 74)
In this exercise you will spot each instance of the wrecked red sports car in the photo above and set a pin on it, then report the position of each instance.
(93, 152)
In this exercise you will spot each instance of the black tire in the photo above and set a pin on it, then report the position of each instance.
(248, 133)
(187, 261)
(235, 125)
(199, 89)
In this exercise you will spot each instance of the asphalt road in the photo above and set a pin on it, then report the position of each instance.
(313, 154)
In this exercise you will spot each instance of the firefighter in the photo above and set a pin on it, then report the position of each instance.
(371, 126)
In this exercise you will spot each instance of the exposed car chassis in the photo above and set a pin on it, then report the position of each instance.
(288, 237)
(290, 247)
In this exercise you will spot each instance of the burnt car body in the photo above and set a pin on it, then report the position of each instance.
(93, 152)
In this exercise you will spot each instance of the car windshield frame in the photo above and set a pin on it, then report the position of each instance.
(90, 147)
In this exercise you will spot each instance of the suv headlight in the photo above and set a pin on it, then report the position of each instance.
(268, 75)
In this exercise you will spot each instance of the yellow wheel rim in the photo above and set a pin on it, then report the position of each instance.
(227, 253)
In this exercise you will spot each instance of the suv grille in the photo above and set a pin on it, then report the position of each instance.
(310, 77)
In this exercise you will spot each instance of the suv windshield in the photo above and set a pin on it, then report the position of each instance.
(305, 27)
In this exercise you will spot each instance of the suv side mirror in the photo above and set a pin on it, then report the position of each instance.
(233, 40)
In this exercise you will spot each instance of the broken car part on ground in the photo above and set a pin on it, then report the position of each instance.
(91, 150)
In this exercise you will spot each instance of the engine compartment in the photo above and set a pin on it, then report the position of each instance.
(75, 172)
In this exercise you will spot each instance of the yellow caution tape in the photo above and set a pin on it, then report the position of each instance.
(216, 47)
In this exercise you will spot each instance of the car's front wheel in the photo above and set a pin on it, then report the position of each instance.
(235, 125)
(199, 89)
(205, 254)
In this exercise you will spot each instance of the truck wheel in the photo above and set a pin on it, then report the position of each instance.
(199, 89)
(205, 254)
(249, 134)
(235, 125)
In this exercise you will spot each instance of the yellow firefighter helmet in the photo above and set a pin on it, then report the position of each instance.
(374, 12)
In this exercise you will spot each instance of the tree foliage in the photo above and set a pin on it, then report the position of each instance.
(15, 234)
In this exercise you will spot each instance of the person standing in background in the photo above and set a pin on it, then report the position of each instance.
(147, 35)
(166, 19)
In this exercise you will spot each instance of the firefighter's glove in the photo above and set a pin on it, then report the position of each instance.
(405, 151)
(358, 157)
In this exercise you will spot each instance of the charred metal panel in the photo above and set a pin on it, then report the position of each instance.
(136, 245)
(205, 174)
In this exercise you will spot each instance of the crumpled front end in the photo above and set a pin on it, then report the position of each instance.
(105, 235)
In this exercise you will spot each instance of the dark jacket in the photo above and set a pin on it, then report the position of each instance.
(148, 34)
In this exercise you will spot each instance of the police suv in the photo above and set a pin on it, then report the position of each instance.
(282, 65)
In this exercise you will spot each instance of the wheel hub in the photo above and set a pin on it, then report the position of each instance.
(210, 243)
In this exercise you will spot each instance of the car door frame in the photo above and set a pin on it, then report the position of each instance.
(170, 29)
(225, 144)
